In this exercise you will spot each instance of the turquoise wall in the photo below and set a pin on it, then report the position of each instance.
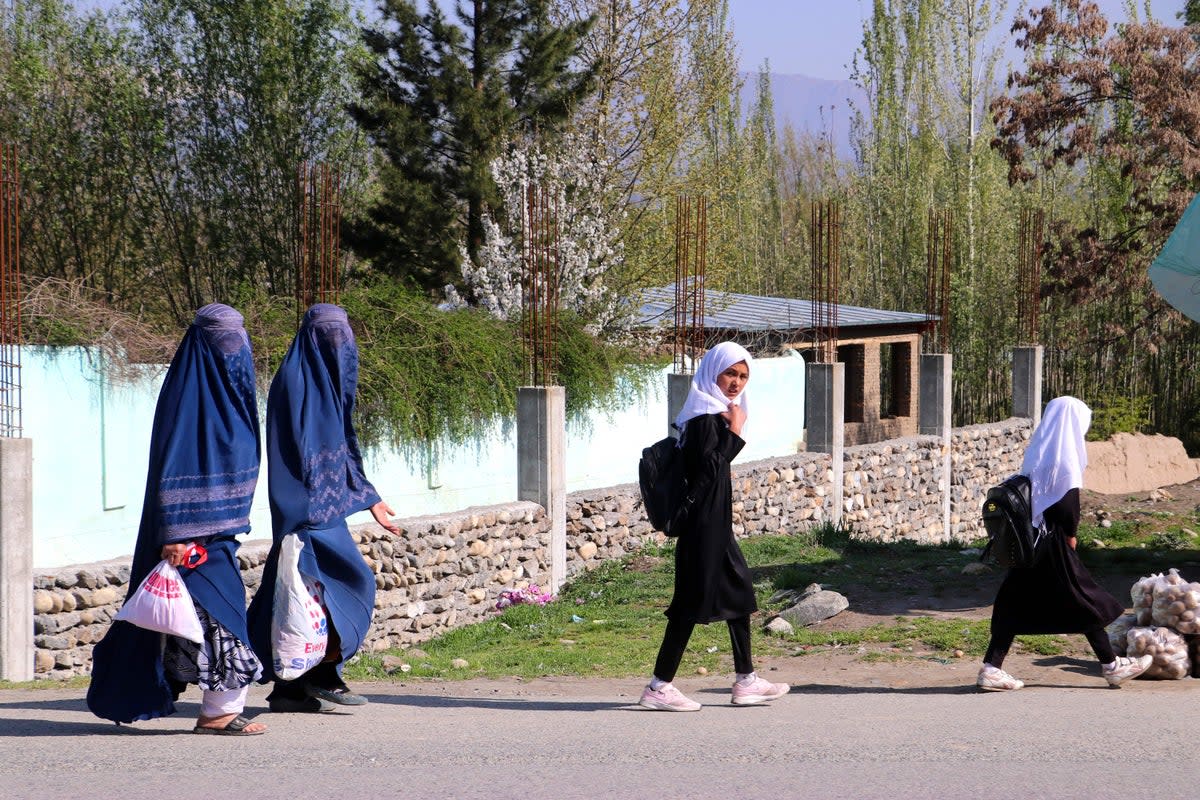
(91, 436)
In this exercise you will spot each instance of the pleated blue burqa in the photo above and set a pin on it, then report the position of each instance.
(203, 467)
(315, 480)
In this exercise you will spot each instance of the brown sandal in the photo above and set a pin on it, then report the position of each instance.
(235, 727)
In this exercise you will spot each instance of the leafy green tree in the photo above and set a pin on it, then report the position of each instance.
(638, 121)
(237, 96)
(438, 100)
(1119, 116)
(68, 100)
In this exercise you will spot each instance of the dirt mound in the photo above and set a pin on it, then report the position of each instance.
(1135, 462)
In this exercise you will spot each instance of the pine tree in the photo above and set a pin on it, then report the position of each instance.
(438, 100)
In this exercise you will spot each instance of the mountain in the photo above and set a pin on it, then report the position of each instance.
(816, 105)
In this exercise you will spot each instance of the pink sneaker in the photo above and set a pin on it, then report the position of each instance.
(758, 690)
(667, 698)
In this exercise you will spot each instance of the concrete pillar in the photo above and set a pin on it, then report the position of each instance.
(678, 387)
(1027, 383)
(541, 465)
(934, 415)
(825, 398)
(16, 559)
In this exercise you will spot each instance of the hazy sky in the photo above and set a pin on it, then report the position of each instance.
(813, 37)
(818, 37)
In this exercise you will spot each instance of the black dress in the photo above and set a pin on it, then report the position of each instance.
(1058, 595)
(712, 581)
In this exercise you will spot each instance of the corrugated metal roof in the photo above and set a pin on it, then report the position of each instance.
(747, 312)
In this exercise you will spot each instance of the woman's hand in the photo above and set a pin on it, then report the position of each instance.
(1071, 542)
(176, 553)
(383, 513)
(735, 415)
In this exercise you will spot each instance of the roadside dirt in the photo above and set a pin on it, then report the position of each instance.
(946, 593)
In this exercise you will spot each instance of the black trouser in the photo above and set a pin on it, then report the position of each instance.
(676, 638)
(323, 675)
(1097, 637)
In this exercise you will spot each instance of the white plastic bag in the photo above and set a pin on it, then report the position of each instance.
(299, 627)
(1169, 649)
(162, 603)
(1142, 595)
(1176, 603)
(1118, 632)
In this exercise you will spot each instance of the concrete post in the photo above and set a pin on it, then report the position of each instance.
(825, 396)
(1027, 383)
(541, 465)
(16, 559)
(934, 419)
(678, 387)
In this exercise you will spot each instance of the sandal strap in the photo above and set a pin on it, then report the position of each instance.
(237, 723)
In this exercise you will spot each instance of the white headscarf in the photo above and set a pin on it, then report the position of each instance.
(1057, 454)
(704, 396)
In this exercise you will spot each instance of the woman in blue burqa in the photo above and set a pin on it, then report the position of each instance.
(315, 480)
(204, 459)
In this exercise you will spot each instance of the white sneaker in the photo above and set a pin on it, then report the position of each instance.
(667, 698)
(1125, 668)
(759, 690)
(992, 679)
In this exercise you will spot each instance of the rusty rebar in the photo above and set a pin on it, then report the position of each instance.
(10, 292)
(1030, 244)
(825, 263)
(539, 285)
(318, 254)
(939, 254)
(691, 255)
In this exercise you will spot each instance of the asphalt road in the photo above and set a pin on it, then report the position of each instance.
(894, 731)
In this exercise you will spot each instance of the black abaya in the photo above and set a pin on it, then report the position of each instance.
(1058, 595)
(712, 581)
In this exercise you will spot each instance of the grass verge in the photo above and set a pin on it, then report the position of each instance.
(608, 622)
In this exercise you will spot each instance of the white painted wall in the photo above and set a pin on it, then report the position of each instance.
(91, 438)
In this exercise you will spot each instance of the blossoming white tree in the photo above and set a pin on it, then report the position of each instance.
(570, 177)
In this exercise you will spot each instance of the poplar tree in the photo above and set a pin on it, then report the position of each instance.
(438, 100)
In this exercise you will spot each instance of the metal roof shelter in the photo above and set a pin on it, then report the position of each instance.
(879, 348)
(786, 318)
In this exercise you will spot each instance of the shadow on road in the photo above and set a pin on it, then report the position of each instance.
(498, 703)
(51, 727)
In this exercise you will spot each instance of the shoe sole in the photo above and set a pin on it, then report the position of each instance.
(335, 698)
(1118, 683)
(653, 706)
(999, 688)
(755, 699)
(204, 730)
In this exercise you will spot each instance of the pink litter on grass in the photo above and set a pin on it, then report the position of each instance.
(530, 595)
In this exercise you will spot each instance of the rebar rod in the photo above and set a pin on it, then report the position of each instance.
(10, 293)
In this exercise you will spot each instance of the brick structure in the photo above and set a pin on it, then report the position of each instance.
(881, 350)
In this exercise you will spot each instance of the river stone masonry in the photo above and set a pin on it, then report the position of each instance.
(447, 570)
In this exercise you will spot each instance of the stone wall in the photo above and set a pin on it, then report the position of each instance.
(448, 570)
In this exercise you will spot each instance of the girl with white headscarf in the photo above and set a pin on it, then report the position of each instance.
(712, 581)
(1057, 594)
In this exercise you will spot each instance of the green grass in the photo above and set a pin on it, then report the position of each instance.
(608, 622)
(78, 682)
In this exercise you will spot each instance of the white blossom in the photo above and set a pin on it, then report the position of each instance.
(572, 179)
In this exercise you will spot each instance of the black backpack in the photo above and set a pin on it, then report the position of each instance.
(1013, 541)
(664, 487)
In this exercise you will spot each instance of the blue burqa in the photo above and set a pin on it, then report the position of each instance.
(315, 480)
(204, 458)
